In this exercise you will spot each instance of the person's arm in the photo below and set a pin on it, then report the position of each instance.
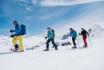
(12, 31)
(80, 33)
(87, 33)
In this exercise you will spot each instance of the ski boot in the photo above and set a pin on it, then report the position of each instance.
(15, 49)
(46, 50)
(74, 47)
(56, 48)
(85, 46)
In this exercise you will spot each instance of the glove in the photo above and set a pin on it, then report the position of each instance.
(45, 37)
(79, 33)
(11, 31)
(12, 35)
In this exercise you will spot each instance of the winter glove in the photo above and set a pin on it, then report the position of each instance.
(80, 34)
(11, 31)
(12, 35)
(45, 37)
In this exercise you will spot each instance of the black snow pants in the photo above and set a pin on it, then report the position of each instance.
(53, 42)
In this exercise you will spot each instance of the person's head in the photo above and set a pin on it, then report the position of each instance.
(15, 22)
(82, 29)
(48, 28)
(71, 29)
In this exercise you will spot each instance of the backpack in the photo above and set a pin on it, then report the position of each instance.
(75, 34)
(23, 29)
(53, 33)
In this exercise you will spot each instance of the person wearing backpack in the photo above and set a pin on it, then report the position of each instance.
(84, 34)
(50, 38)
(17, 36)
(73, 34)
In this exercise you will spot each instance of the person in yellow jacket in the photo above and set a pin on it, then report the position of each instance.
(17, 38)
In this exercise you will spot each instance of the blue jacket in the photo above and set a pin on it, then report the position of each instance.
(17, 30)
(73, 34)
(50, 34)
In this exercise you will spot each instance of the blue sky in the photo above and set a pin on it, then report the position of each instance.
(35, 16)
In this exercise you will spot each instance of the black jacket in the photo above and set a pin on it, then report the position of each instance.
(84, 33)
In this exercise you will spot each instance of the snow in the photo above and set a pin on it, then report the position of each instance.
(65, 58)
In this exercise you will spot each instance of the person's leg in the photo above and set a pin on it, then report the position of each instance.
(20, 40)
(74, 43)
(14, 41)
(47, 44)
(85, 42)
(54, 44)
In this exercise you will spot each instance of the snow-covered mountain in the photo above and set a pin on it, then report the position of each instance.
(81, 15)
(89, 15)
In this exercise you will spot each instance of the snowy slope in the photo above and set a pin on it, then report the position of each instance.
(29, 41)
(63, 59)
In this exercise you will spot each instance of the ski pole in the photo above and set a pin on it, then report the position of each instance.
(78, 40)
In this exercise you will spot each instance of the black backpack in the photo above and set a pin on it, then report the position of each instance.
(53, 33)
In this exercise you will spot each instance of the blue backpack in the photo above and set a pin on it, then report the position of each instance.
(23, 29)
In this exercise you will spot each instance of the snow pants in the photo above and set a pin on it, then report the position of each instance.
(74, 43)
(53, 42)
(18, 40)
(85, 41)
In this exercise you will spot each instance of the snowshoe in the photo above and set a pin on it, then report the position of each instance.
(14, 50)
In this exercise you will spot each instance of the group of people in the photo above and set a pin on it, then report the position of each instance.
(74, 34)
(20, 30)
